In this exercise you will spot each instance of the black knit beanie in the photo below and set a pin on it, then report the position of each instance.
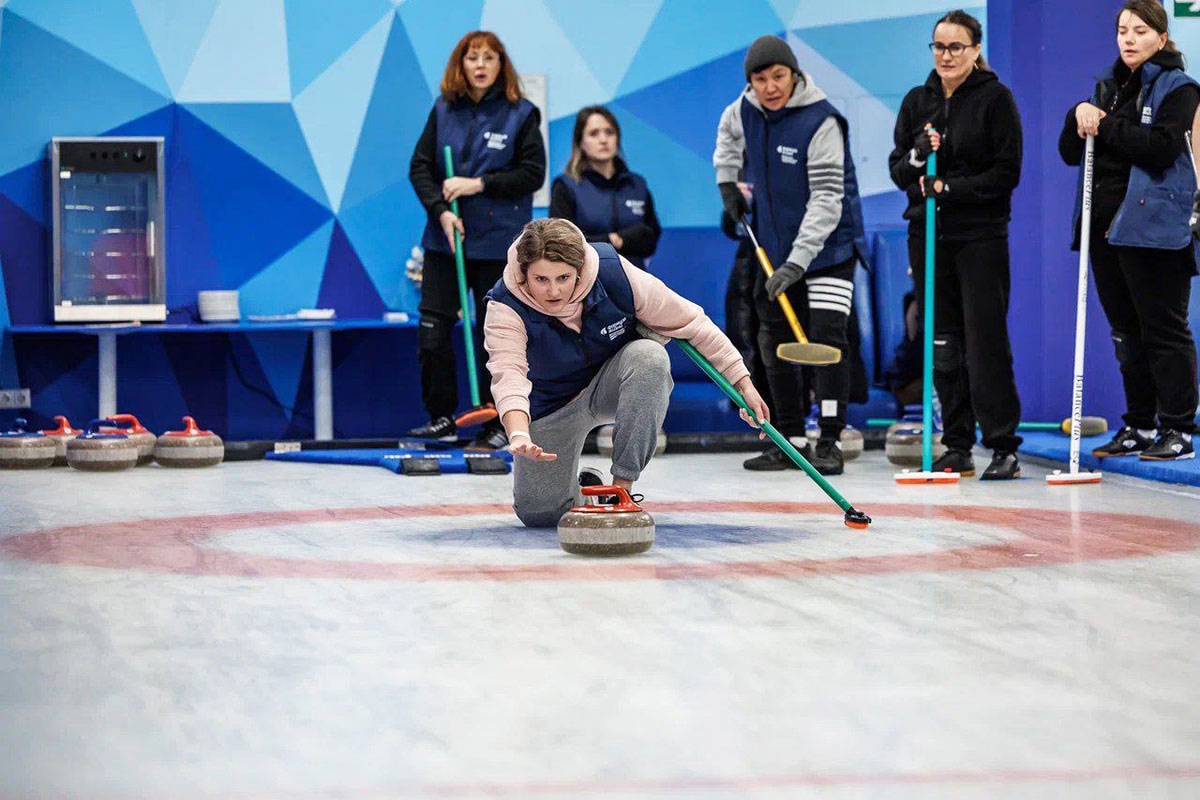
(768, 50)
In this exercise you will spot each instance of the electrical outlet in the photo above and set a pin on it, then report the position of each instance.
(15, 398)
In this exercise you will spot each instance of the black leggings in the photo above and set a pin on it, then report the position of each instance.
(439, 312)
(972, 357)
(1145, 296)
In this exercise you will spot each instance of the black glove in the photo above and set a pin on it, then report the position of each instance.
(733, 200)
(923, 146)
(784, 277)
(1195, 220)
(930, 183)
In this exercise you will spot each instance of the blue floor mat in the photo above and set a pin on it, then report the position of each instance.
(1057, 446)
(450, 460)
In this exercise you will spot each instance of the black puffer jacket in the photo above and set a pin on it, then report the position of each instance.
(980, 156)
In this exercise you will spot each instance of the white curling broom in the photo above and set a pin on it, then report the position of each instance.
(927, 475)
(1074, 476)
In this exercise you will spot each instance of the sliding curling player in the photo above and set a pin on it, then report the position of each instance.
(566, 354)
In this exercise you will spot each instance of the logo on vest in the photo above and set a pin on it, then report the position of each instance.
(637, 207)
(788, 154)
(614, 330)
(496, 141)
(1147, 115)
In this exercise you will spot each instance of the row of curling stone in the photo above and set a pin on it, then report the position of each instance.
(105, 445)
(903, 444)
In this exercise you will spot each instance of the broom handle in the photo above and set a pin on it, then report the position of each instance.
(761, 254)
(1085, 240)
(461, 268)
(767, 428)
(930, 255)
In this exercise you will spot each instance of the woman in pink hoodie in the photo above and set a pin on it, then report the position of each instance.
(565, 356)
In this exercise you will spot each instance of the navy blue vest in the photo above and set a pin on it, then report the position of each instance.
(1157, 205)
(605, 206)
(562, 362)
(777, 165)
(483, 138)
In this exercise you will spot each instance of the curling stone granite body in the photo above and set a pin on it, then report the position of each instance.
(190, 447)
(852, 441)
(61, 435)
(21, 449)
(139, 435)
(605, 533)
(903, 444)
(604, 441)
(93, 451)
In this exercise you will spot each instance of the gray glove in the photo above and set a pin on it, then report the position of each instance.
(784, 277)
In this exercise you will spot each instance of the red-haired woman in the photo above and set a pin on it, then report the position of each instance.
(499, 161)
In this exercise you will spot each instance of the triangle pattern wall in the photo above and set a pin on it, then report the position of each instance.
(290, 123)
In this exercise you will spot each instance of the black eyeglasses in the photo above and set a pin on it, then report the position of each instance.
(956, 49)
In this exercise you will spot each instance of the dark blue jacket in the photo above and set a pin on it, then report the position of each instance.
(1157, 205)
(600, 206)
(562, 362)
(777, 164)
(482, 138)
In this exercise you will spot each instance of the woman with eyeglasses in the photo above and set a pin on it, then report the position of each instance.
(964, 113)
(1141, 246)
(499, 162)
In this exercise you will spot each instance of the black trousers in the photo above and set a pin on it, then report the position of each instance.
(822, 302)
(741, 316)
(1145, 296)
(972, 357)
(439, 309)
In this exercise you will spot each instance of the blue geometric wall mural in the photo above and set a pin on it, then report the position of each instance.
(289, 125)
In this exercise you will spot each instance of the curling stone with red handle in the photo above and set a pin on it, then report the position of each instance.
(607, 529)
(190, 447)
(61, 435)
(93, 451)
(144, 439)
(22, 449)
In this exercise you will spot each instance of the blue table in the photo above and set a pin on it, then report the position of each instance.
(322, 363)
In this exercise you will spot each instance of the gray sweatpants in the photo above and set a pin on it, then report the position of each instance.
(631, 390)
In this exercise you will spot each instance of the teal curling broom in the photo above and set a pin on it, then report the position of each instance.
(478, 413)
(927, 475)
(853, 517)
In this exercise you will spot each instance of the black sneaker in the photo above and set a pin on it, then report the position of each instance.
(442, 429)
(774, 460)
(488, 440)
(828, 458)
(1127, 442)
(1004, 467)
(1171, 445)
(952, 460)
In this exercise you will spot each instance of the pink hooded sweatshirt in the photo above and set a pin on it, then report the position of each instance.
(656, 306)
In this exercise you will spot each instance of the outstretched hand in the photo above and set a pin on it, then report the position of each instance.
(521, 445)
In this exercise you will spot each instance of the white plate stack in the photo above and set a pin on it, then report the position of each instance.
(219, 306)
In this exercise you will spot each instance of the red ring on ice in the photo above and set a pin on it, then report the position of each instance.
(177, 545)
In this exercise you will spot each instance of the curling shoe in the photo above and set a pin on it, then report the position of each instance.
(1127, 442)
(954, 461)
(442, 429)
(828, 459)
(772, 459)
(1004, 467)
(488, 440)
(1171, 445)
